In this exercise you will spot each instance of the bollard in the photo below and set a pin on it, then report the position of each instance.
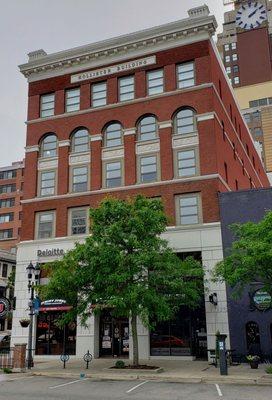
(222, 354)
(64, 358)
(87, 358)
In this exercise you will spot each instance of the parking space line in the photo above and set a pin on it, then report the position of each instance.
(218, 390)
(135, 387)
(68, 383)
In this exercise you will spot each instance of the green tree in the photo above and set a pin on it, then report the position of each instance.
(250, 257)
(125, 265)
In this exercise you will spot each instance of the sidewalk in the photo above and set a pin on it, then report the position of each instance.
(169, 371)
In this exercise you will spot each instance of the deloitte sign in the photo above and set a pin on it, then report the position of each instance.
(50, 252)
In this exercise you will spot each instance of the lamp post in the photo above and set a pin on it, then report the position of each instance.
(33, 277)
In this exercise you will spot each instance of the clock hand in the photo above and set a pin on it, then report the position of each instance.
(253, 13)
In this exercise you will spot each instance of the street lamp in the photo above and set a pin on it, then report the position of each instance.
(33, 277)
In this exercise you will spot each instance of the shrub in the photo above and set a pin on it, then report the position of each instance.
(120, 364)
(7, 370)
(268, 370)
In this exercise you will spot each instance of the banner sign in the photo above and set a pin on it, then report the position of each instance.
(113, 69)
(4, 307)
(262, 300)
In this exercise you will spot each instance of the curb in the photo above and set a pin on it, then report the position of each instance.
(260, 381)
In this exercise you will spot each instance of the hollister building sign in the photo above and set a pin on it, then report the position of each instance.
(113, 69)
(50, 252)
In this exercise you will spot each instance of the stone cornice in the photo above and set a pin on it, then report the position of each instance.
(147, 41)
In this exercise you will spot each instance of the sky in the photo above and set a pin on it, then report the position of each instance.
(55, 25)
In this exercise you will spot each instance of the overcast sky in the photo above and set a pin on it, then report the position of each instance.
(54, 25)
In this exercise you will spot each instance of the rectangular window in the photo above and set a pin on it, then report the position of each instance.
(78, 221)
(226, 47)
(47, 183)
(80, 179)
(5, 270)
(45, 223)
(228, 70)
(148, 169)
(8, 188)
(234, 57)
(126, 88)
(113, 174)
(186, 163)
(47, 105)
(233, 45)
(235, 69)
(155, 82)
(227, 59)
(186, 75)
(236, 80)
(8, 174)
(72, 100)
(188, 209)
(6, 203)
(6, 217)
(247, 118)
(99, 94)
(6, 233)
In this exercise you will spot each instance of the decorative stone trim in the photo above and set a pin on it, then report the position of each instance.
(47, 164)
(178, 141)
(64, 143)
(205, 117)
(165, 124)
(95, 138)
(108, 154)
(79, 158)
(130, 131)
(150, 147)
(31, 149)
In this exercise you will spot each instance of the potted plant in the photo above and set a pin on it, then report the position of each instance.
(24, 322)
(253, 361)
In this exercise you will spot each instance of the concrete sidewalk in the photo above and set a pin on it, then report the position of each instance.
(169, 371)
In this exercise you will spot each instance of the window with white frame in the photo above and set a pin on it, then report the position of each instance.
(48, 146)
(80, 179)
(233, 45)
(126, 88)
(78, 221)
(236, 80)
(186, 163)
(47, 105)
(8, 217)
(148, 169)
(113, 135)
(99, 94)
(6, 234)
(80, 141)
(113, 174)
(45, 224)
(147, 128)
(234, 57)
(227, 59)
(185, 122)
(226, 47)
(155, 84)
(47, 183)
(188, 209)
(72, 100)
(186, 75)
(228, 70)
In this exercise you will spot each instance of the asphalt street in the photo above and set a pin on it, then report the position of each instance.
(40, 388)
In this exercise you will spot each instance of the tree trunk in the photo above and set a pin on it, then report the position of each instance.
(135, 339)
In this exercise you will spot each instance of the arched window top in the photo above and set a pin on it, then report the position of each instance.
(147, 128)
(48, 146)
(185, 121)
(113, 135)
(80, 140)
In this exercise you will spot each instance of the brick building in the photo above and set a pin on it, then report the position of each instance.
(7, 267)
(151, 112)
(11, 192)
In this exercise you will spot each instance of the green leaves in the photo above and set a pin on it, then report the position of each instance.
(250, 257)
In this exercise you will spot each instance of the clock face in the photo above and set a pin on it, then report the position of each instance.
(251, 15)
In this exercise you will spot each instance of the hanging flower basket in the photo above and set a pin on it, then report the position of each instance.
(24, 322)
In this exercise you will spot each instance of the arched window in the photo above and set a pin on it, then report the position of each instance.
(113, 135)
(147, 128)
(48, 147)
(253, 338)
(80, 141)
(185, 122)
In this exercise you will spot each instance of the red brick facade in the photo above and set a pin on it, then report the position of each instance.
(221, 151)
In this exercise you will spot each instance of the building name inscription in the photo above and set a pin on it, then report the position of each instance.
(50, 252)
(142, 62)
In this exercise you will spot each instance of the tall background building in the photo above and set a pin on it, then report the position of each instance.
(245, 46)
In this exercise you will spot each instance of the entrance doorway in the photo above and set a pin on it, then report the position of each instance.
(114, 336)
